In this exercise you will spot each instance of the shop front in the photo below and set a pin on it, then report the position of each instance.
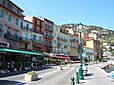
(17, 60)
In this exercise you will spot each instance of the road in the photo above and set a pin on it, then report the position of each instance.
(52, 76)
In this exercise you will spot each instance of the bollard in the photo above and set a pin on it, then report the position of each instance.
(72, 81)
(77, 78)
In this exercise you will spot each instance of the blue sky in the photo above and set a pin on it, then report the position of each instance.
(89, 12)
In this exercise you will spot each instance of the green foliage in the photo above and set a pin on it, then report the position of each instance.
(17, 64)
(4, 66)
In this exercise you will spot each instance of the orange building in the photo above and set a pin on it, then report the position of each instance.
(38, 26)
(48, 36)
(95, 45)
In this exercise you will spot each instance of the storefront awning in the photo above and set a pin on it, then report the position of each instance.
(20, 51)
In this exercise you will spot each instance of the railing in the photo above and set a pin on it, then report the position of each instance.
(73, 40)
(48, 45)
(48, 36)
(25, 28)
(38, 31)
(12, 37)
(59, 44)
(49, 28)
(10, 7)
(63, 39)
(38, 41)
(65, 46)
(25, 39)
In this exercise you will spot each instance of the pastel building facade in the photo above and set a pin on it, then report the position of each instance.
(26, 35)
(10, 16)
(38, 26)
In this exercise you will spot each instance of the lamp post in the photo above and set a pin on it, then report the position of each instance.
(80, 69)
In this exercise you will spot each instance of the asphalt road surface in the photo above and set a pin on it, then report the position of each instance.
(51, 76)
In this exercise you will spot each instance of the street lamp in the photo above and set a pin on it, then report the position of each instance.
(80, 69)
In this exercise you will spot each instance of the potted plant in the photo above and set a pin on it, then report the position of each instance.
(30, 76)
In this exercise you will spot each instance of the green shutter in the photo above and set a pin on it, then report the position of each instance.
(1, 26)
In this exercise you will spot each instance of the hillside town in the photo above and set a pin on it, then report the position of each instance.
(30, 42)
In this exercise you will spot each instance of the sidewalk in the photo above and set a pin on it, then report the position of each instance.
(96, 76)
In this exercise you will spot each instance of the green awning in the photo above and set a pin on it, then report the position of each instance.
(20, 51)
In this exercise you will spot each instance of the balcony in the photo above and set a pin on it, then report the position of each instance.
(38, 41)
(62, 39)
(59, 44)
(26, 28)
(65, 46)
(49, 45)
(48, 36)
(73, 40)
(12, 37)
(25, 39)
(38, 31)
(11, 7)
(49, 28)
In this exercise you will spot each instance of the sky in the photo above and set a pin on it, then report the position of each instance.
(88, 12)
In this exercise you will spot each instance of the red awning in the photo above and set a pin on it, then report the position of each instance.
(63, 57)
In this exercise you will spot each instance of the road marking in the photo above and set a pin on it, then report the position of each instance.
(22, 82)
(25, 82)
(48, 73)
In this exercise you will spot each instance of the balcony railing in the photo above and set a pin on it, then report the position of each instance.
(73, 40)
(63, 39)
(38, 41)
(26, 28)
(48, 36)
(12, 37)
(59, 44)
(49, 28)
(11, 7)
(65, 46)
(38, 31)
(25, 39)
(48, 45)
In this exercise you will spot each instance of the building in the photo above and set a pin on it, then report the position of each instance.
(74, 42)
(26, 35)
(48, 36)
(10, 16)
(95, 45)
(38, 28)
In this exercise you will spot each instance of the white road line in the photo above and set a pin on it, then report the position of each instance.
(21, 82)
(47, 73)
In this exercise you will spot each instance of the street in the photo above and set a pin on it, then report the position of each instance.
(51, 76)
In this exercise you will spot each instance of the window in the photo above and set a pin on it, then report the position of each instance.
(2, 13)
(1, 26)
(34, 37)
(0, 33)
(50, 43)
(10, 18)
(16, 33)
(54, 34)
(4, 2)
(27, 26)
(26, 36)
(17, 21)
(21, 24)
(56, 28)
(9, 30)
(54, 49)
(55, 41)
(46, 42)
